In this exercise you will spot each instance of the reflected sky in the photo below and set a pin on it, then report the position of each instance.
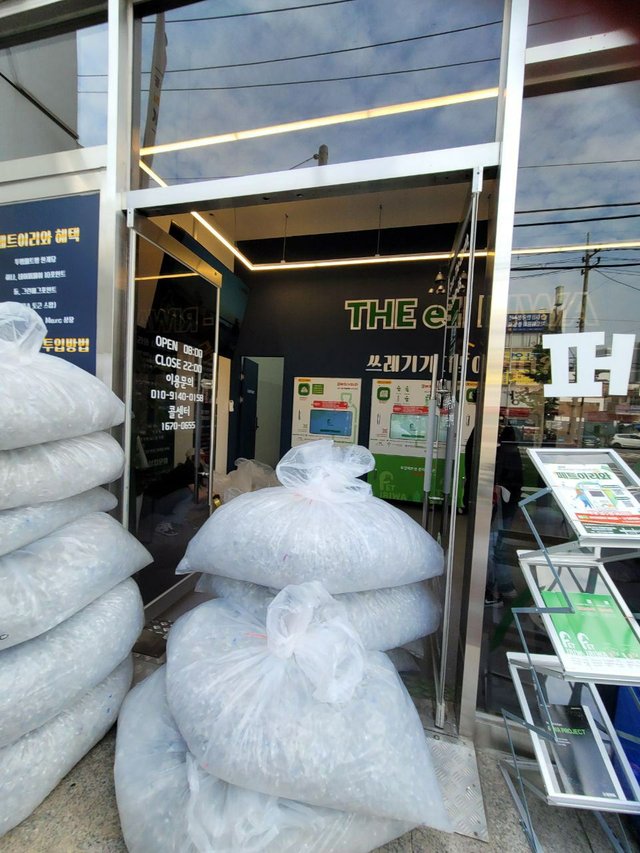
(367, 58)
(92, 106)
(579, 173)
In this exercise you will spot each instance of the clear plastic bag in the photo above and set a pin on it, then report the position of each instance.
(41, 677)
(383, 618)
(22, 525)
(45, 398)
(324, 525)
(168, 804)
(299, 709)
(31, 767)
(58, 469)
(51, 579)
(248, 476)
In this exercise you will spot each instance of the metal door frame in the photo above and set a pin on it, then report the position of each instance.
(117, 242)
(410, 170)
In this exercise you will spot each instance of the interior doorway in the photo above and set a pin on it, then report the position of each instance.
(365, 280)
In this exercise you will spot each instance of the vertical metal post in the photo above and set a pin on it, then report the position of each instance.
(129, 426)
(498, 273)
(432, 420)
(214, 399)
(114, 271)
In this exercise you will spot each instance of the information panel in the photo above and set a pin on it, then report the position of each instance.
(49, 261)
(325, 408)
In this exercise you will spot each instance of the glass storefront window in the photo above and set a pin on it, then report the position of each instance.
(54, 90)
(575, 269)
(176, 315)
(212, 70)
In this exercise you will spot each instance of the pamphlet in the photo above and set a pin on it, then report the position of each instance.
(597, 639)
(582, 764)
(595, 498)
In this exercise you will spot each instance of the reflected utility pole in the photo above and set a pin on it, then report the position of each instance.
(576, 427)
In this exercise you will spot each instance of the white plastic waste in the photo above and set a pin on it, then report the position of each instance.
(168, 804)
(33, 765)
(299, 709)
(22, 525)
(249, 476)
(51, 579)
(45, 398)
(383, 618)
(323, 525)
(58, 469)
(402, 660)
(41, 677)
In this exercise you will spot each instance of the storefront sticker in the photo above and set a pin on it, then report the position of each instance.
(574, 362)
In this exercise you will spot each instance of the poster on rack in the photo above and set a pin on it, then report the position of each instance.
(325, 407)
(596, 640)
(594, 498)
(49, 261)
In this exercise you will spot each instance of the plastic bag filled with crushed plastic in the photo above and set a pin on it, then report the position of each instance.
(41, 677)
(33, 765)
(383, 618)
(58, 469)
(25, 524)
(169, 804)
(249, 476)
(299, 709)
(323, 525)
(45, 398)
(51, 579)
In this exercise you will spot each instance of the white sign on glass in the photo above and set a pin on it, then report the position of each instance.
(585, 346)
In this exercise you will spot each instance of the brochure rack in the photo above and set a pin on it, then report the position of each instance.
(579, 760)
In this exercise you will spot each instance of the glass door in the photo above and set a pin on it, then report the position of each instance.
(173, 328)
(455, 401)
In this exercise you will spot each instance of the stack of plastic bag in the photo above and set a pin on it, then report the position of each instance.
(168, 803)
(324, 524)
(69, 612)
(283, 737)
(278, 726)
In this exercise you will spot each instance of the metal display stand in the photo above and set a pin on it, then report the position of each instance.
(579, 760)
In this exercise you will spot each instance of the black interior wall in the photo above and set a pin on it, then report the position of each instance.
(301, 316)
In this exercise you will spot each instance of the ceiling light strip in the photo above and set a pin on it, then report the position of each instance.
(385, 259)
(351, 262)
(219, 236)
(323, 121)
(153, 175)
(168, 275)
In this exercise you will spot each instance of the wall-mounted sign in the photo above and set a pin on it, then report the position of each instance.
(49, 261)
(574, 361)
(405, 314)
(325, 408)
